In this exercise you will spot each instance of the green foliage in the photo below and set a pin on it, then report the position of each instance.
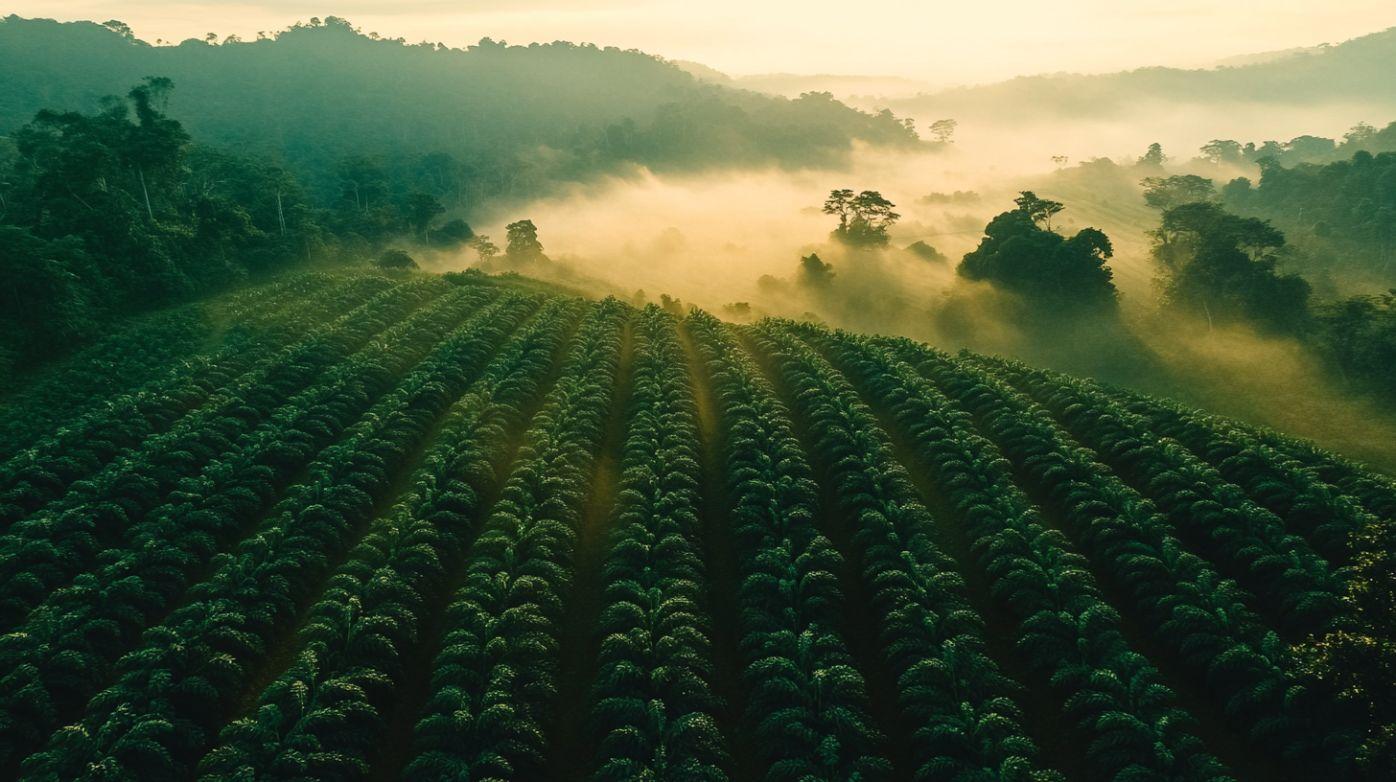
(154, 541)
(523, 245)
(1046, 270)
(421, 209)
(41, 282)
(864, 219)
(395, 259)
(357, 508)
(1187, 605)
(966, 725)
(119, 211)
(489, 120)
(1221, 266)
(1358, 335)
(1164, 193)
(1343, 214)
(1342, 220)
(1256, 548)
(451, 234)
(653, 707)
(814, 272)
(1153, 157)
(807, 702)
(493, 681)
(354, 649)
(108, 213)
(143, 730)
(1039, 210)
(1358, 663)
(926, 252)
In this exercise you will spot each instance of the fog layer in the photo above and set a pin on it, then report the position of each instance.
(732, 243)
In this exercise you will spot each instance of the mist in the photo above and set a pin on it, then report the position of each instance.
(731, 242)
(386, 359)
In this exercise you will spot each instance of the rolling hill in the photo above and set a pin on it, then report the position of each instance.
(364, 527)
(511, 118)
(1351, 72)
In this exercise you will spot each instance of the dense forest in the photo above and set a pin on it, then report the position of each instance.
(119, 211)
(1343, 213)
(461, 124)
(319, 142)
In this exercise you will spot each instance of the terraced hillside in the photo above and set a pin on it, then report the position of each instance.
(432, 529)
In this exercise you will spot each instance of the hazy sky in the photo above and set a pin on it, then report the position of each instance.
(943, 42)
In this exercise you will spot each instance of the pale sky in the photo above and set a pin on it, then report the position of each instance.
(940, 42)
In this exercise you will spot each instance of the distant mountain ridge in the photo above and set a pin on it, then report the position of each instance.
(321, 92)
(1356, 70)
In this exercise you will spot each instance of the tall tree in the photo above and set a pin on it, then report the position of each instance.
(523, 244)
(840, 204)
(483, 247)
(864, 219)
(1222, 151)
(1049, 272)
(363, 183)
(421, 209)
(944, 130)
(815, 272)
(1154, 156)
(1039, 210)
(118, 211)
(1164, 193)
(156, 143)
(1223, 267)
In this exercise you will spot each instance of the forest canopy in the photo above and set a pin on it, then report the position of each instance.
(500, 119)
(120, 210)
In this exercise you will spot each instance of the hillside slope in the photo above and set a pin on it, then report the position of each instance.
(511, 116)
(1351, 72)
(434, 528)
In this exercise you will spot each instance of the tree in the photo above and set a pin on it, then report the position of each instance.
(40, 286)
(523, 244)
(815, 272)
(1309, 148)
(1359, 134)
(926, 252)
(1358, 335)
(944, 130)
(864, 219)
(1039, 210)
(452, 234)
(395, 259)
(1237, 191)
(1357, 662)
(483, 247)
(156, 143)
(118, 211)
(840, 204)
(1049, 272)
(1164, 193)
(120, 28)
(1223, 267)
(421, 209)
(1222, 151)
(362, 182)
(1154, 157)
